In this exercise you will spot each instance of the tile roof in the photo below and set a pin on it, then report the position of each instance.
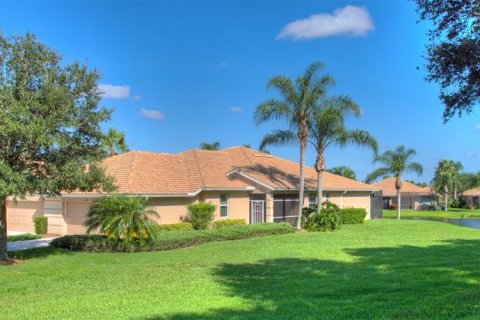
(139, 172)
(472, 192)
(388, 187)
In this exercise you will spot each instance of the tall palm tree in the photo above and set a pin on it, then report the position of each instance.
(343, 171)
(446, 178)
(114, 142)
(327, 128)
(397, 162)
(298, 100)
(210, 146)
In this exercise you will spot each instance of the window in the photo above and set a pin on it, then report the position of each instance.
(327, 197)
(312, 200)
(224, 205)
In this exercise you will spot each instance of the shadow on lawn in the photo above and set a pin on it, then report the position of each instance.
(37, 253)
(439, 281)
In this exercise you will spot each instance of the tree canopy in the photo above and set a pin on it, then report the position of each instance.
(343, 171)
(453, 54)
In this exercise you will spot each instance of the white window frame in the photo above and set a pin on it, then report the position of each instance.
(224, 205)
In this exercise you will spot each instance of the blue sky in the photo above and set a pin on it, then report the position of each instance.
(185, 72)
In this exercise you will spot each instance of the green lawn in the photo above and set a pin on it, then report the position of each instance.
(451, 213)
(382, 269)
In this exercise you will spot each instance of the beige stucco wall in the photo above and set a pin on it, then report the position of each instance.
(20, 214)
(351, 199)
(75, 213)
(171, 210)
(238, 204)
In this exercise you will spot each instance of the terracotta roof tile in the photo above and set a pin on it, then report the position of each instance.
(388, 187)
(472, 192)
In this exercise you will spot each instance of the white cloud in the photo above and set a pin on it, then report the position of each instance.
(110, 91)
(236, 109)
(471, 154)
(136, 98)
(152, 114)
(350, 20)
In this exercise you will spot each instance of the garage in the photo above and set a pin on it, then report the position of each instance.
(20, 214)
(75, 216)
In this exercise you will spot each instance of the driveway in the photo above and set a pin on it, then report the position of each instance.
(29, 244)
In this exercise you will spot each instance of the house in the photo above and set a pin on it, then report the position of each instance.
(412, 196)
(472, 197)
(243, 183)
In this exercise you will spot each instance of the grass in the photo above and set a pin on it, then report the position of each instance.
(22, 237)
(451, 213)
(381, 269)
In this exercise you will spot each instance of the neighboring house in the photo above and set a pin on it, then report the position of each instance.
(412, 196)
(472, 197)
(243, 183)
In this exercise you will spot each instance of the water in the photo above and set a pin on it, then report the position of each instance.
(462, 222)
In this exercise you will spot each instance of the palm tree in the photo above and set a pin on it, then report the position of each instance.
(397, 162)
(327, 128)
(343, 171)
(210, 146)
(123, 219)
(298, 100)
(446, 177)
(114, 142)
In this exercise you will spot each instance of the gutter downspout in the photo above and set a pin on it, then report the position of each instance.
(341, 199)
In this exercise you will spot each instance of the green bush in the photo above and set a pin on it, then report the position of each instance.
(41, 225)
(459, 203)
(200, 215)
(228, 223)
(326, 220)
(123, 218)
(308, 212)
(171, 240)
(182, 226)
(23, 237)
(353, 215)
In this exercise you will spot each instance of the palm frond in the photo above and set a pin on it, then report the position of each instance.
(414, 167)
(278, 138)
(377, 173)
(272, 110)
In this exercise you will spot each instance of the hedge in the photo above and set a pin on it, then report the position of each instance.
(228, 223)
(182, 226)
(173, 239)
(353, 215)
(41, 225)
(23, 237)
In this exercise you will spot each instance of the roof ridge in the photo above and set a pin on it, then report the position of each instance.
(186, 168)
(246, 156)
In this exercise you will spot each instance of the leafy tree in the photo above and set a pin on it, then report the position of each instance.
(114, 142)
(123, 218)
(446, 178)
(453, 55)
(396, 162)
(210, 146)
(343, 171)
(298, 99)
(49, 125)
(327, 128)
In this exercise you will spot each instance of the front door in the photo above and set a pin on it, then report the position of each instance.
(257, 209)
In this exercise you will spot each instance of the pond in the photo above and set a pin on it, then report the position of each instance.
(462, 222)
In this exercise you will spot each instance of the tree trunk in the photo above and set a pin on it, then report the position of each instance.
(399, 203)
(319, 190)
(302, 183)
(3, 229)
(445, 198)
(455, 192)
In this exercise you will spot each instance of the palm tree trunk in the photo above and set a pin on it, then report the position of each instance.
(319, 190)
(399, 203)
(3, 229)
(445, 198)
(302, 183)
(455, 192)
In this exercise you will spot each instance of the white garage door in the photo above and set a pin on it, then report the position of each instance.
(76, 214)
(20, 215)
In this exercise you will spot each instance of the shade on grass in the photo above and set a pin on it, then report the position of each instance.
(381, 269)
(451, 213)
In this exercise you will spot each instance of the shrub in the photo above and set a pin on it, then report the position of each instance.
(171, 240)
(228, 223)
(353, 215)
(182, 226)
(458, 203)
(308, 212)
(326, 220)
(123, 219)
(41, 225)
(200, 215)
(23, 237)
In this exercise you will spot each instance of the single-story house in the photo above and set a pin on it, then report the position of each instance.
(412, 196)
(472, 197)
(243, 183)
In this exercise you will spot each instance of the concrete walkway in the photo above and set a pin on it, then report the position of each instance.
(29, 244)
